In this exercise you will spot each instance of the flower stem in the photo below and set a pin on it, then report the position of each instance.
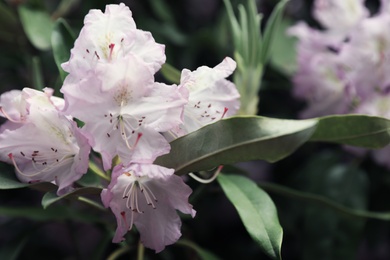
(140, 251)
(117, 253)
(95, 169)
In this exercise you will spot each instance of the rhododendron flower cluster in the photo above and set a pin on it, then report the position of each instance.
(128, 118)
(344, 68)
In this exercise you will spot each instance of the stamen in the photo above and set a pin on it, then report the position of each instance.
(59, 162)
(148, 194)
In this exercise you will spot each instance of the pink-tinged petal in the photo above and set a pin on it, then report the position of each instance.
(148, 196)
(211, 96)
(13, 106)
(107, 37)
(339, 15)
(124, 109)
(48, 147)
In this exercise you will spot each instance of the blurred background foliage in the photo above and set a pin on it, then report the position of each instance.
(195, 32)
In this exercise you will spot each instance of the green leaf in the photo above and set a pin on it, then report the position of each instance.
(202, 253)
(357, 130)
(257, 211)
(37, 25)
(246, 138)
(62, 40)
(51, 197)
(237, 139)
(270, 29)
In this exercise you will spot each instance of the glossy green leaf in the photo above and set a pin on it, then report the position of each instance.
(37, 25)
(62, 40)
(237, 139)
(240, 139)
(257, 212)
(51, 197)
(356, 130)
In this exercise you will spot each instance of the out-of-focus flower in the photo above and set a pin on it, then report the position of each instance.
(321, 78)
(147, 196)
(125, 110)
(367, 55)
(210, 96)
(344, 68)
(47, 146)
(339, 16)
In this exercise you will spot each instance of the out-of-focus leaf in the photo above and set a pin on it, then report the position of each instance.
(37, 77)
(64, 7)
(12, 249)
(8, 19)
(37, 25)
(283, 52)
(237, 139)
(51, 197)
(339, 236)
(170, 73)
(257, 211)
(52, 213)
(324, 202)
(202, 253)
(62, 40)
(271, 27)
(162, 10)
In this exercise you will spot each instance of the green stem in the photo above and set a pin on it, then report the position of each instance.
(117, 253)
(92, 203)
(309, 197)
(95, 169)
(140, 251)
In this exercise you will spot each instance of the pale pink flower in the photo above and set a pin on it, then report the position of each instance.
(367, 55)
(147, 196)
(339, 16)
(47, 147)
(124, 109)
(109, 36)
(211, 96)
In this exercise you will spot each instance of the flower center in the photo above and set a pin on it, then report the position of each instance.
(135, 189)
